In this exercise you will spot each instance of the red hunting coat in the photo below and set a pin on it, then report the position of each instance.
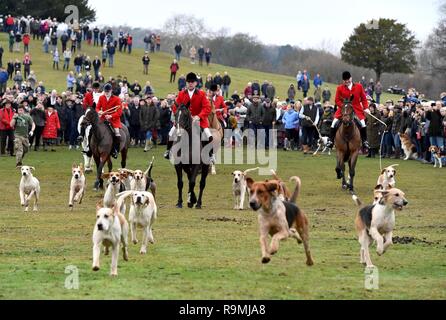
(105, 105)
(6, 116)
(52, 124)
(199, 105)
(88, 101)
(220, 107)
(359, 102)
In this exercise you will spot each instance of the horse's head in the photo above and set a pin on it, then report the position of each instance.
(90, 118)
(347, 113)
(183, 119)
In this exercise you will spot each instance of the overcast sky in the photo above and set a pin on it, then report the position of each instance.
(316, 24)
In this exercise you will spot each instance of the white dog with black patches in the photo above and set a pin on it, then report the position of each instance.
(29, 187)
(78, 185)
(239, 187)
(322, 144)
(376, 223)
(111, 229)
(143, 213)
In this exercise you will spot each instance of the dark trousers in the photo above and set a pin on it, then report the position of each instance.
(36, 137)
(135, 132)
(267, 137)
(7, 135)
(172, 76)
(308, 135)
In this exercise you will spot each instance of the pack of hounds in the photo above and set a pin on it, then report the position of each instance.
(279, 215)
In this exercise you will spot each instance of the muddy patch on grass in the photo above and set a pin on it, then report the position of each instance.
(226, 219)
(413, 240)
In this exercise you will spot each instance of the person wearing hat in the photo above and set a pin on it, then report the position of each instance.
(6, 130)
(221, 109)
(347, 91)
(107, 102)
(21, 122)
(91, 98)
(199, 106)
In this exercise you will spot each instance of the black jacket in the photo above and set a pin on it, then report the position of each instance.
(436, 125)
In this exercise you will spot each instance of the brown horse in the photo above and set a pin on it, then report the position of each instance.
(348, 144)
(101, 144)
(217, 133)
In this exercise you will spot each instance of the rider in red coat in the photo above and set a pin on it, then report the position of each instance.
(198, 104)
(346, 91)
(221, 109)
(109, 109)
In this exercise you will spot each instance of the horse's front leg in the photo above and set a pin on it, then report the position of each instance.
(204, 174)
(351, 170)
(109, 165)
(99, 184)
(191, 197)
(180, 183)
(339, 164)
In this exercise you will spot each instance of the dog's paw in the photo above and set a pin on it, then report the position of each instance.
(143, 251)
(125, 255)
(35, 209)
(380, 252)
(95, 268)
(310, 262)
(114, 274)
(135, 241)
(265, 260)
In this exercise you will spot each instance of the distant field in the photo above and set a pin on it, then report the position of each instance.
(214, 253)
(131, 67)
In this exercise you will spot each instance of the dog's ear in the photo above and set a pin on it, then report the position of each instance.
(123, 175)
(249, 182)
(32, 168)
(99, 205)
(81, 166)
(74, 166)
(383, 171)
(233, 173)
(379, 187)
(19, 167)
(272, 186)
(105, 176)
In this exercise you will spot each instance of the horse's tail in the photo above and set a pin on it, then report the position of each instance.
(296, 190)
(356, 200)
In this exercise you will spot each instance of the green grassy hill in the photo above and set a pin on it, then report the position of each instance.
(131, 67)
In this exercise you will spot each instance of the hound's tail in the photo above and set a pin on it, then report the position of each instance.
(250, 170)
(274, 174)
(295, 194)
(356, 200)
(149, 170)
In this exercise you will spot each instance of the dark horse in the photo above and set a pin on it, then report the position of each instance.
(348, 144)
(101, 144)
(188, 140)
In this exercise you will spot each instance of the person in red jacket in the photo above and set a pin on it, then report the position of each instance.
(91, 98)
(347, 91)
(199, 106)
(109, 109)
(52, 124)
(6, 131)
(26, 39)
(221, 109)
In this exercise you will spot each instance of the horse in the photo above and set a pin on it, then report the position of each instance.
(84, 143)
(101, 144)
(348, 145)
(217, 133)
(186, 132)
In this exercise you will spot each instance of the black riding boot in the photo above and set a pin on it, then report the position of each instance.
(365, 143)
(116, 145)
(331, 137)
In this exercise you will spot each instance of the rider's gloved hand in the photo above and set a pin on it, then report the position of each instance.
(367, 111)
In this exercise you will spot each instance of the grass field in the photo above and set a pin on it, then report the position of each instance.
(131, 67)
(214, 253)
